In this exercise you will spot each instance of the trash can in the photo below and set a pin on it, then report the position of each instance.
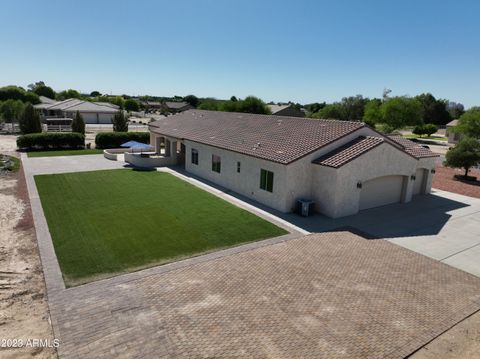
(305, 207)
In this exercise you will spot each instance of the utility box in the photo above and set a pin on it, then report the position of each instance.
(305, 207)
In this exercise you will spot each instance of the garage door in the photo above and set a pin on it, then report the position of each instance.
(381, 191)
(419, 185)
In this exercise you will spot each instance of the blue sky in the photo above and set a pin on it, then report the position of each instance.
(303, 51)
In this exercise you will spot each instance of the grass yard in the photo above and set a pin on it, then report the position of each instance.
(107, 222)
(92, 151)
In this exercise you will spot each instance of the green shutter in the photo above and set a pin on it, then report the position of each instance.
(270, 181)
(263, 178)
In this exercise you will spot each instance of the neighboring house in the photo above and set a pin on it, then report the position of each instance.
(285, 110)
(92, 112)
(176, 107)
(343, 166)
(452, 136)
(167, 106)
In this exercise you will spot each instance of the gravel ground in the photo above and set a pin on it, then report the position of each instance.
(444, 180)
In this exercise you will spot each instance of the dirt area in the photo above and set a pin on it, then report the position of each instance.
(462, 341)
(444, 180)
(23, 306)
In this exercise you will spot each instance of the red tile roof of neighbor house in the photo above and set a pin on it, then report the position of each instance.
(349, 151)
(279, 139)
(413, 148)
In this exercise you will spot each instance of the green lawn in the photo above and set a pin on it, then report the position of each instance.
(92, 151)
(106, 222)
(437, 138)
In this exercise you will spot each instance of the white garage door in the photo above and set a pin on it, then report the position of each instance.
(381, 191)
(419, 185)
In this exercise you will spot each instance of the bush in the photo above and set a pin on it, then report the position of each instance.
(427, 129)
(115, 139)
(30, 120)
(51, 141)
(77, 124)
(120, 122)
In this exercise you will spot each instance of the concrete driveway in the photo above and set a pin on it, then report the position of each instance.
(444, 226)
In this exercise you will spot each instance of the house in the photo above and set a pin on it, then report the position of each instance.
(452, 136)
(286, 110)
(176, 107)
(343, 166)
(92, 112)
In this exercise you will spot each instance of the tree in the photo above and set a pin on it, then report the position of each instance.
(66, 94)
(30, 120)
(434, 111)
(455, 109)
(314, 107)
(192, 100)
(95, 94)
(469, 123)
(209, 104)
(120, 122)
(78, 125)
(465, 154)
(372, 113)
(252, 104)
(398, 112)
(331, 111)
(11, 110)
(131, 105)
(427, 129)
(18, 93)
(45, 91)
(233, 99)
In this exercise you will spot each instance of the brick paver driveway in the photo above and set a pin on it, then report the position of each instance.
(333, 295)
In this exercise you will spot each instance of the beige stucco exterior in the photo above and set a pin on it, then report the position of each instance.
(336, 191)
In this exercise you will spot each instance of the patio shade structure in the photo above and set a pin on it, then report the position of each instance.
(135, 144)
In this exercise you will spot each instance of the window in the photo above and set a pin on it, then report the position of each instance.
(216, 163)
(238, 167)
(266, 180)
(194, 156)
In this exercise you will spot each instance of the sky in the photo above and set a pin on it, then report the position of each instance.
(302, 51)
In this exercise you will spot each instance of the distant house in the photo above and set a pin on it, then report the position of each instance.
(453, 137)
(176, 107)
(343, 166)
(167, 106)
(92, 112)
(285, 110)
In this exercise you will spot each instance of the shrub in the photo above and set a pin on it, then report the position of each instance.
(120, 122)
(115, 139)
(465, 154)
(30, 120)
(50, 141)
(77, 124)
(427, 129)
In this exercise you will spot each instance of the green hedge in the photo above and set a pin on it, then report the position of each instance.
(51, 141)
(115, 139)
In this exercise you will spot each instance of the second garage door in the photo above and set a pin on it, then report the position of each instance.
(381, 191)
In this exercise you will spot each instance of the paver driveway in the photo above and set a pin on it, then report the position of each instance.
(332, 295)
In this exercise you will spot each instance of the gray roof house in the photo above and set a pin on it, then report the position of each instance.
(344, 167)
(92, 112)
(452, 136)
(285, 110)
(175, 107)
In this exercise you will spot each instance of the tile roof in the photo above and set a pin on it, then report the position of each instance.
(279, 139)
(349, 151)
(413, 148)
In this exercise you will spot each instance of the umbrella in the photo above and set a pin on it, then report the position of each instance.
(135, 144)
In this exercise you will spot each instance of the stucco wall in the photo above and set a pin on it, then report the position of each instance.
(247, 182)
(384, 160)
